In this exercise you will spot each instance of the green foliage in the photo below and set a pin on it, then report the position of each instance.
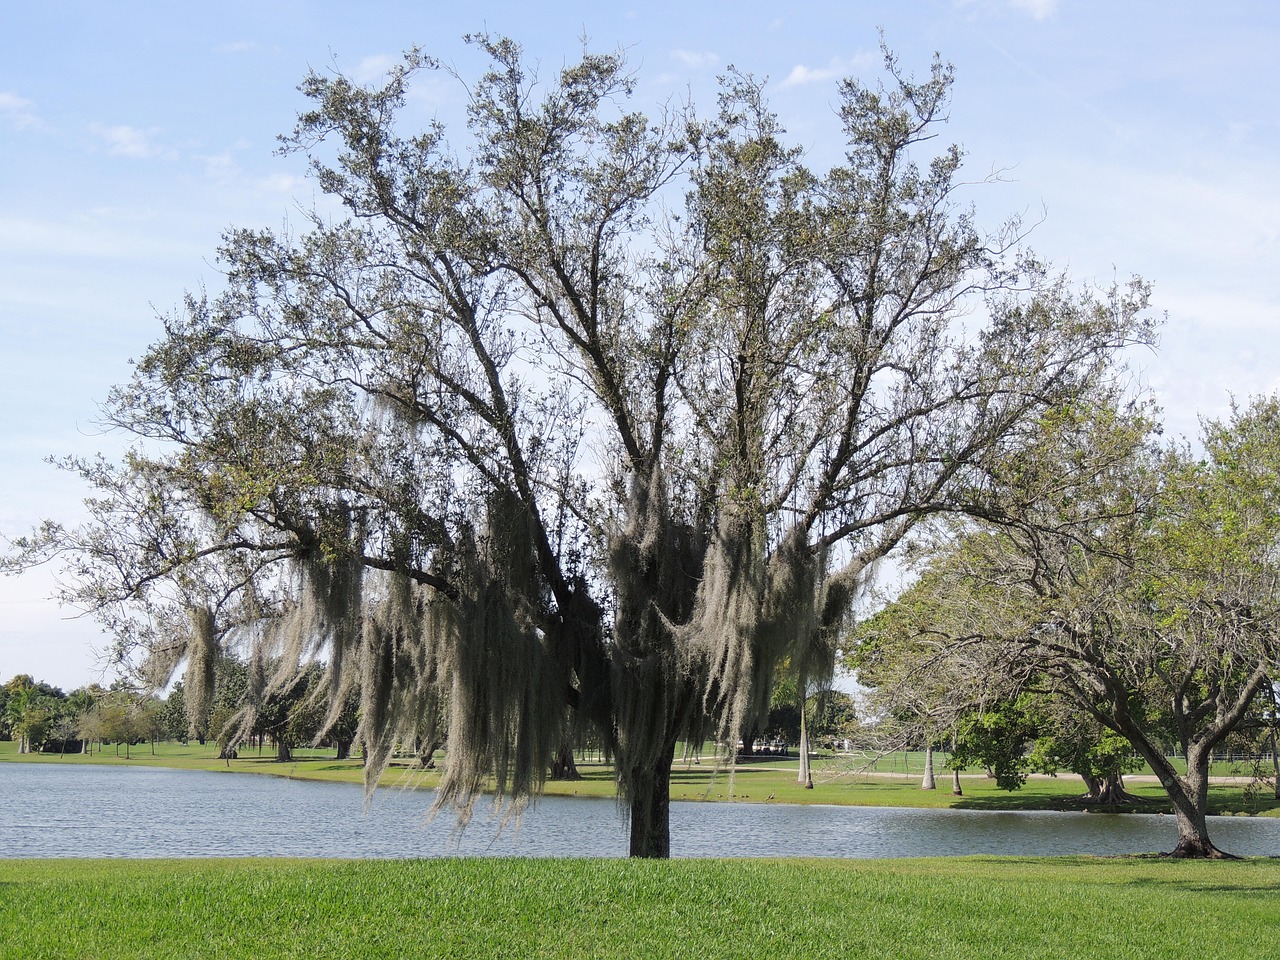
(996, 738)
(1134, 587)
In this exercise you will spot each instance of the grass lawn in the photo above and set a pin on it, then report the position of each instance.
(938, 909)
(891, 781)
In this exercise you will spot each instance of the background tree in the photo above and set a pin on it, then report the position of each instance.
(174, 714)
(30, 709)
(1135, 584)
(524, 432)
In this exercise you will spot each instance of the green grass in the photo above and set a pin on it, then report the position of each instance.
(938, 909)
(892, 781)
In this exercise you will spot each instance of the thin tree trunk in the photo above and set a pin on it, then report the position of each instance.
(928, 783)
(956, 790)
(1275, 759)
(1275, 764)
(805, 775)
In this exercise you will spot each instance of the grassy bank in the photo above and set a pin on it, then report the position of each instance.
(892, 780)
(1069, 908)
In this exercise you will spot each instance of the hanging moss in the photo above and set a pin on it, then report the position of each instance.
(329, 614)
(508, 696)
(198, 680)
(725, 628)
(390, 630)
(656, 565)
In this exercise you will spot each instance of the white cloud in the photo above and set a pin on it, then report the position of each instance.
(239, 46)
(113, 234)
(126, 141)
(1038, 9)
(281, 184)
(373, 70)
(694, 59)
(221, 166)
(16, 110)
(837, 68)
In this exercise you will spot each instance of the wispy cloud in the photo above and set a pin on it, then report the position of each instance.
(694, 59)
(126, 141)
(238, 46)
(16, 110)
(1038, 9)
(374, 69)
(837, 68)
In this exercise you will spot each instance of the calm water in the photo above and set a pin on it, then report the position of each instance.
(50, 810)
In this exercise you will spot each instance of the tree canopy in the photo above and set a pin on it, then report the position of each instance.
(579, 419)
(1134, 582)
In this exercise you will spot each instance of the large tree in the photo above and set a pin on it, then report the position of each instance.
(1137, 584)
(579, 420)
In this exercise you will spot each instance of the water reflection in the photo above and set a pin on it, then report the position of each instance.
(88, 811)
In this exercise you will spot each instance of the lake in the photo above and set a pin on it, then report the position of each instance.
(90, 811)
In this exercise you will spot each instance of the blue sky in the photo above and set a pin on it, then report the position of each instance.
(1145, 134)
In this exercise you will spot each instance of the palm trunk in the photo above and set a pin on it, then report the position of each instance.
(805, 775)
(928, 783)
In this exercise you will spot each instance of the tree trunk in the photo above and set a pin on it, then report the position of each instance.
(427, 753)
(1190, 798)
(651, 809)
(283, 752)
(563, 766)
(928, 783)
(805, 775)
(1275, 764)
(1107, 791)
(344, 750)
(956, 791)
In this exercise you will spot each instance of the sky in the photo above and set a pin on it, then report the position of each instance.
(1142, 138)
